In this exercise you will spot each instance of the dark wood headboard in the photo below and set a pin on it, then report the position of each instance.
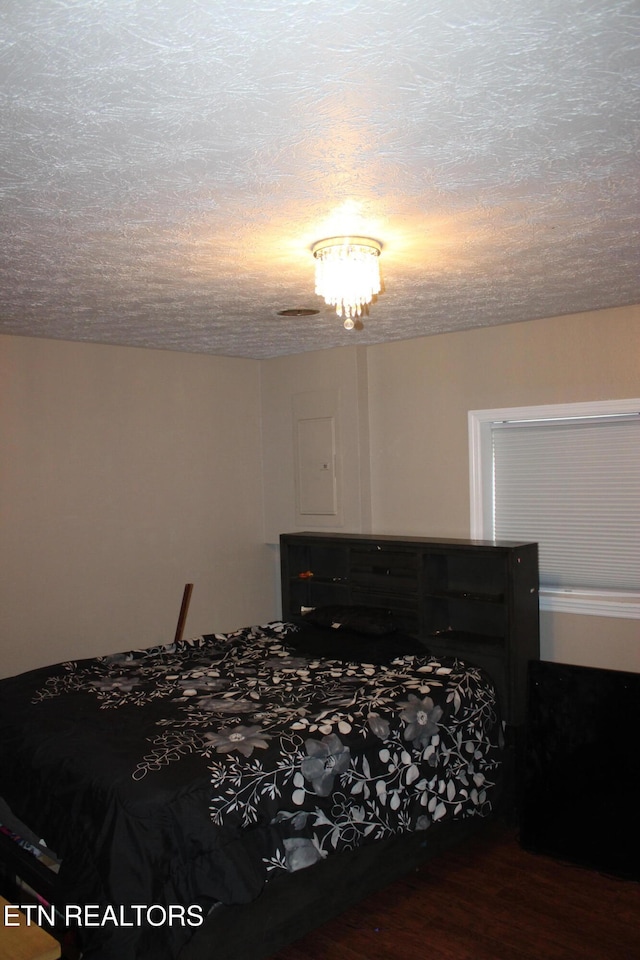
(473, 599)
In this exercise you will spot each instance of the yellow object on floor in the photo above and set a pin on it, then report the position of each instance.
(26, 941)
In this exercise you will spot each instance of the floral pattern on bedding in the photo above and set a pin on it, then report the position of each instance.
(199, 771)
(313, 755)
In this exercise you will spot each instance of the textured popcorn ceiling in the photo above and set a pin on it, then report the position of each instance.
(165, 165)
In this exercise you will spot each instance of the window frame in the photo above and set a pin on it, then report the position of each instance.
(603, 603)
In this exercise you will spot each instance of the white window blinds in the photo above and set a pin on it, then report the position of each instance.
(574, 487)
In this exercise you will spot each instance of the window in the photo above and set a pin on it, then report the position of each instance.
(567, 477)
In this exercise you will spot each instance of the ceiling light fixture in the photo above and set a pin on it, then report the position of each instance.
(347, 274)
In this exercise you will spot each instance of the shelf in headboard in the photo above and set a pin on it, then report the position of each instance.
(477, 600)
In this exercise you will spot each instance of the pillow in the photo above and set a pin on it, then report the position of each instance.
(372, 621)
(321, 643)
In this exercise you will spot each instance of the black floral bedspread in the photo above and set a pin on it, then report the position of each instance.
(196, 771)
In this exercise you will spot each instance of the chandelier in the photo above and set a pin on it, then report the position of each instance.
(347, 274)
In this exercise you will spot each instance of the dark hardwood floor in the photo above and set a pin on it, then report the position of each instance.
(488, 900)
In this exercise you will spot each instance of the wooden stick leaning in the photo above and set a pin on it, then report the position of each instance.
(184, 609)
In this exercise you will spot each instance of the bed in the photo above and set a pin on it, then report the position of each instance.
(220, 796)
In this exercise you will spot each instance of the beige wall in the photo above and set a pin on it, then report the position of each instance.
(286, 381)
(420, 392)
(125, 474)
(417, 397)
